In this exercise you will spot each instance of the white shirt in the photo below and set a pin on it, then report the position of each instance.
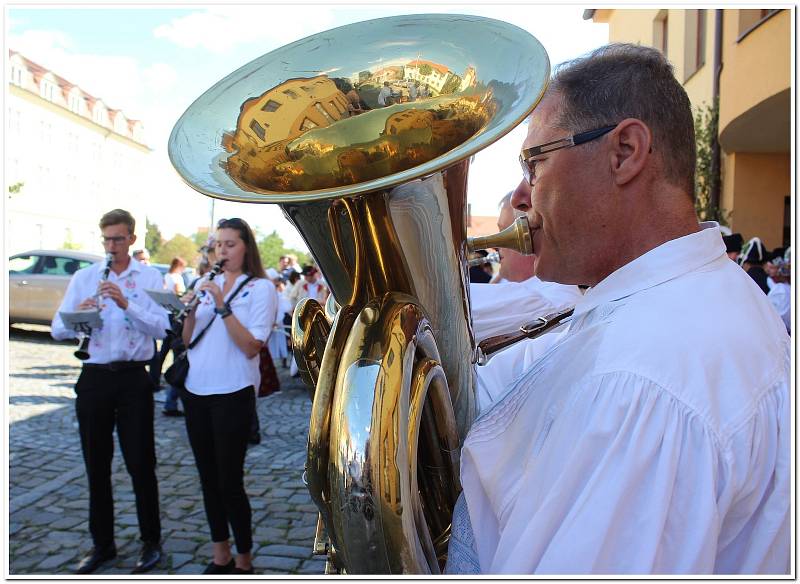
(653, 437)
(126, 335)
(502, 308)
(780, 295)
(174, 283)
(216, 364)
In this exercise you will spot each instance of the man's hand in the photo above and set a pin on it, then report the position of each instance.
(87, 304)
(112, 291)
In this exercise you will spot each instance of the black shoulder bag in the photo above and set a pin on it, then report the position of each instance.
(177, 372)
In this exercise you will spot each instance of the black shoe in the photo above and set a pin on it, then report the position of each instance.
(213, 568)
(254, 439)
(151, 555)
(172, 413)
(241, 571)
(95, 558)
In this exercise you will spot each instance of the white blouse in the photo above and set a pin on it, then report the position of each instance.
(643, 441)
(216, 364)
(780, 295)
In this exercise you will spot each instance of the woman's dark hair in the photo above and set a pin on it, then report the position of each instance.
(252, 259)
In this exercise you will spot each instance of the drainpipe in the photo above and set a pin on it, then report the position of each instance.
(715, 149)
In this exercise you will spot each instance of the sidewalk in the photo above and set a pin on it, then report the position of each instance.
(48, 532)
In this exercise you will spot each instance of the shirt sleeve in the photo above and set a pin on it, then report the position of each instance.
(623, 481)
(262, 310)
(69, 303)
(147, 316)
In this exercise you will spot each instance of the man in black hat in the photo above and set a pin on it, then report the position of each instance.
(752, 260)
(733, 245)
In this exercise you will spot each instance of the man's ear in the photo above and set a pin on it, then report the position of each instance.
(631, 144)
(133, 238)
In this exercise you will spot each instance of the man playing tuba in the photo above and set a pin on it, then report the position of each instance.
(641, 443)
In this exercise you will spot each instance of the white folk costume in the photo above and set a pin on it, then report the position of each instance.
(641, 442)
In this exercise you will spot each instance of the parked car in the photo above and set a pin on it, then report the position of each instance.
(38, 280)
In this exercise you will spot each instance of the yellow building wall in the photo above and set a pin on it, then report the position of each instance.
(757, 67)
(754, 187)
(638, 27)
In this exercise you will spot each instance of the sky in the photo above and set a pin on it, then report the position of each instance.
(153, 61)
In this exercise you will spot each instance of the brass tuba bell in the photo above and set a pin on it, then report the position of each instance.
(363, 135)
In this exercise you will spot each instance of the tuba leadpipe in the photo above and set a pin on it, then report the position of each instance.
(82, 352)
(380, 200)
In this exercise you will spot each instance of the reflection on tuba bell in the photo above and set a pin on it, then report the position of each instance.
(380, 200)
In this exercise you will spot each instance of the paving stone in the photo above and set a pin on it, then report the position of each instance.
(276, 563)
(312, 567)
(55, 561)
(178, 559)
(289, 551)
(175, 544)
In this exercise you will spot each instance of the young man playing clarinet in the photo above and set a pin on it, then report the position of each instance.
(114, 388)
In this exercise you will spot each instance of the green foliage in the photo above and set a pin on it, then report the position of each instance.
(15, 189)
(451, 85)
(178, 246)
(706, 126)
(425, 69)
(153, 239)
(200, 238)
(271, 248)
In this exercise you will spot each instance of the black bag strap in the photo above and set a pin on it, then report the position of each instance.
(227, 303)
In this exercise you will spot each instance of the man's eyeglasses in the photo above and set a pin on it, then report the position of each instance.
(115, 239)
(527, 156)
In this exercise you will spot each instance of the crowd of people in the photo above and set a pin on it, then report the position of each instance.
(648, 434)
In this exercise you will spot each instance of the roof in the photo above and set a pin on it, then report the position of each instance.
(66, 253)
(66, 86)
(438, 66)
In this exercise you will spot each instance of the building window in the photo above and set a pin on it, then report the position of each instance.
(47, 90)
(324, 112)
(75, 103)
(749, 20)
(661, 31)
(695, 49)
(290, 93)
(307, 125)
(335, 106)
(256, 127)
(271, 106)
(306, 88)
(16, 74)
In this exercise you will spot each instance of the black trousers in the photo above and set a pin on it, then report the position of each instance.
(124, 399)
(218, 427)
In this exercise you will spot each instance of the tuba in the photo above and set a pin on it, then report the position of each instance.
(380, 200)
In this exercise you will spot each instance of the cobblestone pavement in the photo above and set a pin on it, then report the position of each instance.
(48, 523)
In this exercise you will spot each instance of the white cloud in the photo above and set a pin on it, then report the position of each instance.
(221, 29)
(160, 77)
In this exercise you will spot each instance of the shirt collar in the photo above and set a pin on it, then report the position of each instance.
(661, 264)
(133, 267)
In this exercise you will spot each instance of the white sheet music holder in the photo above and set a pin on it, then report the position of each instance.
(167, 300)
(82, 321)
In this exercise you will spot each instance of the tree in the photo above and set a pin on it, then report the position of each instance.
(271, 248)
(15, 189)
(153, 238)
(451, 85)
(178, 246)
(200, 237)
(425, 69)
(706, 126)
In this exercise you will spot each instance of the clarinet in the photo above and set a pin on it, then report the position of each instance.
(83, 350)
(181, 316)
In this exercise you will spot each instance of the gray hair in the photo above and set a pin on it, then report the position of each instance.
(506, 200)
(621, 81)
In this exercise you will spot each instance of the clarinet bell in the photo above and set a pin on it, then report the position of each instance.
(83, 350)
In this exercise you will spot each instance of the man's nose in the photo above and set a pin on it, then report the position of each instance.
(521, 197)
